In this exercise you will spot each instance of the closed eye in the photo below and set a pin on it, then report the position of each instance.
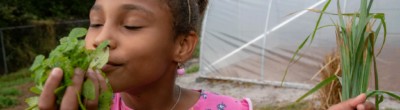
(133, 27)
(95, 25)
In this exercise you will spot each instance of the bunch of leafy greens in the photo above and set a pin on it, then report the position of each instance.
(71, 54)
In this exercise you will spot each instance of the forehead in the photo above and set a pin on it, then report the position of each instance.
(150, 7)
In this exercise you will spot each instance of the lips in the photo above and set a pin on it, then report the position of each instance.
(110, 66)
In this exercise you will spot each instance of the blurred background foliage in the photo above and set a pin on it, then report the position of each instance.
(32, 27)
(23, 12)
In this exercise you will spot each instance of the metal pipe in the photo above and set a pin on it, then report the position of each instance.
(267, 32)
(4, 52)
(264, 42)
(203, 29)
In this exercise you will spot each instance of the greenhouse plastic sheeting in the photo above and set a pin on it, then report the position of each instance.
(255, 40)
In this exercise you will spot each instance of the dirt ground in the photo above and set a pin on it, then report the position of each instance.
(261, 95)
(25, 93)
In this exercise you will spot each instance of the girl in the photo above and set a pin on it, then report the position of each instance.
(149, 40)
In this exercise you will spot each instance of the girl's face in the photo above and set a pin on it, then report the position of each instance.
(141, 40)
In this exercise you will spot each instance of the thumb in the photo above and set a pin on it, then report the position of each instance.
(350, 104)
(360, 99)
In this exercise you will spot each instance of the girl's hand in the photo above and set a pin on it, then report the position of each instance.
(47, 100)
(357, 103)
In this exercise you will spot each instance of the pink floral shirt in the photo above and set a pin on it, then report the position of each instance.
(207, 101)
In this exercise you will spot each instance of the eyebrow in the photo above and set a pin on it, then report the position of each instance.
(128, 7)
(95, 8)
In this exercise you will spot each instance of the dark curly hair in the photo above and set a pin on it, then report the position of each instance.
(187, 15)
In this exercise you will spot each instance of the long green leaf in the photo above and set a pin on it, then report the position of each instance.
(380, 92)
(370, 5)
(372, 41)
(341, 21)
(381, 16)
(317, 87)
(293, 57)
(297, 51)
(319, 20)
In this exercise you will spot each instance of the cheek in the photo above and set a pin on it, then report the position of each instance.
(150, 57)
(150, 44)
(147, 60)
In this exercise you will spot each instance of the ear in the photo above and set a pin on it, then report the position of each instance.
(185, 45)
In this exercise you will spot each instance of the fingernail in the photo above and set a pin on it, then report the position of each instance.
(361, 95)
(79, 71)
(98, 71)
(55, 70)
(91, 72)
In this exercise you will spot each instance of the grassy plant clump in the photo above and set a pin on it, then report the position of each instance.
(13, 79)
(356, 41)
(22, 73)
(304, 105)
(8, 97)
(9, 91)
(193, 68)
(7, 101)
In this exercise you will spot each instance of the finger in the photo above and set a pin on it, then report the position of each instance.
(102, 82)
(47, 98)
(350, 104)
(93, 104)
(70, 98)
(360, 99)
(360, 107)
(369, 106)
(339, 107)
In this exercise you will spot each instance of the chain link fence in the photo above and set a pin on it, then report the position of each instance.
(20, 44)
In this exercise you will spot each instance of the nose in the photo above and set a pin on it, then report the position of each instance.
(104, 35)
